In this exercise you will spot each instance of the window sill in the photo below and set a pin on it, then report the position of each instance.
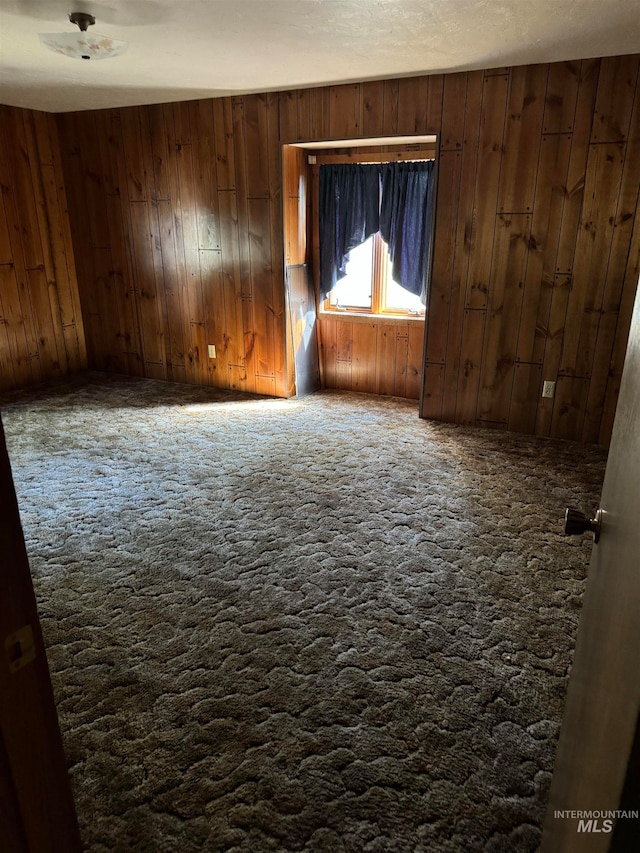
(362, 317)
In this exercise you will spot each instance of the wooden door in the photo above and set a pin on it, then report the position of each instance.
(37, 814)
(593, 765)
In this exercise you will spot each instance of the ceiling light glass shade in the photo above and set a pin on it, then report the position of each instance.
(83, 45)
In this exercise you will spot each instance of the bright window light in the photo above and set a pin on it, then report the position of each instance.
(354, 289)
(396, 298)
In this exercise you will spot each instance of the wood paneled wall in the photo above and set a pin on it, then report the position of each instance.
(41, 330)
(377, 356)
(537, 243)
(537, 247)
(176, 211)
(177, 222)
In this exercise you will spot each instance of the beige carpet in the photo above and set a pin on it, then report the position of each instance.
(318, 625)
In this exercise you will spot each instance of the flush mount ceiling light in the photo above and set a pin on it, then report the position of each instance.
(82, 45)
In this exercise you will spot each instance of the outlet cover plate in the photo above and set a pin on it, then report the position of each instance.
(548, 388)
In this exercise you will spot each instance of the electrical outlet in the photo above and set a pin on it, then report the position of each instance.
(548, 388)
(212, 351)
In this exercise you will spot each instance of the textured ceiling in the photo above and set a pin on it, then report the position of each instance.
(184, 49)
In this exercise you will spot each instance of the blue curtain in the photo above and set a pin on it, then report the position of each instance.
(349, 215)
(406, 214)
(351, 210)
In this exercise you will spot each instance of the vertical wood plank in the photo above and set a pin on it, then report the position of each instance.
(124, 295)
(181, 122)
(242, 195)
(187, 233)
(232, 288)
(569, 407)
(343, 375)
(415, 356)
(21, 208)
(262, 286)
(17, 362)
(303, 97)
(527, 388)
(402, 353)
(385, 360)
(147, 285)
(237, 378)
(614, 101)
(71, 312)
(470, 365)
(225, 151)
(288, 112)
(463, 246)
(212, 290)
(137, 178)
(24, 309)
(453, 113)
(561, 97)
(249, 337)
(256, 140)
(371, 121)
(543, 246)
(319, 114)
(494, 102)
(503, 316)
(344, 339)
(435, 98)
(433, 391)
(522, 132)
(179, 252)
(589, 72)
(553, 347)
(593, 246)
(328, 347)
(6, 255)
(159, 154)
(363, 359)
(444, 254)
(390, 108)
(205, 196)
(7, 372)
(344, 111)
(412, 105)
(50, 359)
(168, 288)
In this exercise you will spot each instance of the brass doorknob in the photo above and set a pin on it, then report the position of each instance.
(576, 523)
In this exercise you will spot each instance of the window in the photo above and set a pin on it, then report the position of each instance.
(368, 286)
(382, 209)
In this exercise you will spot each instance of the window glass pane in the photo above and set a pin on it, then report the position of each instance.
(354, 290)
(397, 298)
